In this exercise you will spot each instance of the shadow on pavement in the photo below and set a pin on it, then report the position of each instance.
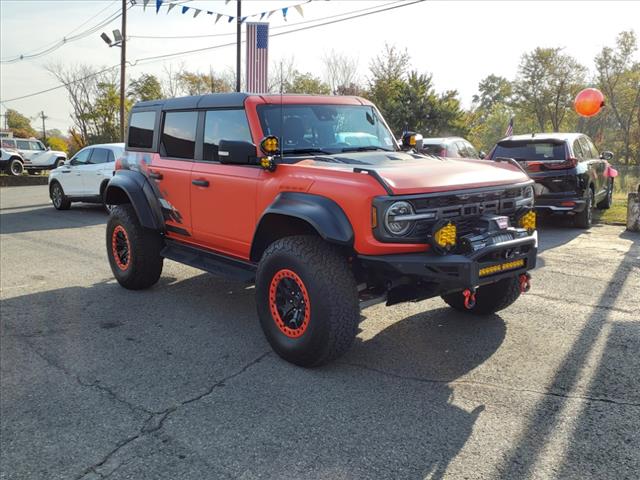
(548, 415)
(48, 218)
(166, 346)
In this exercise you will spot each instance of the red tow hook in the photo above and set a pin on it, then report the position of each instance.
(469, 298)
(525, 282)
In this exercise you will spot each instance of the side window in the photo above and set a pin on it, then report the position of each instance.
(461, 150)
(100, 155)
(471, 151)
(82, 157)
(23, 144)
(179, 134)
(141, 128)
(577, 150)
(224, 125)
(594, 150)
(586, 148)
(6, 143)
(36, 145)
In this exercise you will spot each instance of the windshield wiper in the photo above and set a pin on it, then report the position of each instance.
(296, 151)
(368, 148)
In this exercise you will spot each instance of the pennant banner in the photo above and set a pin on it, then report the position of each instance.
(196, 11)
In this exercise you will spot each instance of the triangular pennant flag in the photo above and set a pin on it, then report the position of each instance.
(158, 5)
(284, 12)
(231, 19)
(299, 9)
(171, 5)
(197, 12)
(226, 1)
(218, 17)
(185, 10)
(271, 13)
(262, 15)
(243, 19)
(144, 5)
(209, 13)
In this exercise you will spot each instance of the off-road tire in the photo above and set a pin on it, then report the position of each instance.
(58, 198)
(141, 267)
(584, 219)
(490, 298)
(15, 167)
(606, 203)
(330, 292)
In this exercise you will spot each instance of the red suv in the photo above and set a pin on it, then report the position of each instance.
(311, 198)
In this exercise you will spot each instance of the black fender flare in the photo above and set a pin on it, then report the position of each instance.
(324, 215)
(127, 186)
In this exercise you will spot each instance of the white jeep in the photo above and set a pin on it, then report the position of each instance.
(11, 161)
(35, 155)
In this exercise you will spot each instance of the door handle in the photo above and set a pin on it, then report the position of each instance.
(200, 183)
(155, 175)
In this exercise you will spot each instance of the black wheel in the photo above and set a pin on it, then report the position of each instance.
(59, 199)
(16, 167)
(584, 219)
(133, 251)
(34, 172)
(307, 300)
(608, 200)
(490, 298)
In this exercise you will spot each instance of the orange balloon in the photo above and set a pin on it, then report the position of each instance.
(589, 102)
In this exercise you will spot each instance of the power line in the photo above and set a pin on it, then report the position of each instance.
(65, 40)
(213, 47)
(293, 24)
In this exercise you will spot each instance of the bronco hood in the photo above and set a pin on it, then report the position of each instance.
(407, 173)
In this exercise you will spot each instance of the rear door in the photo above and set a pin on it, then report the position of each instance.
(24, 147)
(597, 167)
(223, 197)
(92, 173)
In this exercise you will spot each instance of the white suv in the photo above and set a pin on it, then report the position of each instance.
(11, 161)
(36, 155)
(84, 177)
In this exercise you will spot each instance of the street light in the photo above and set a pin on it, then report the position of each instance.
(120, 40)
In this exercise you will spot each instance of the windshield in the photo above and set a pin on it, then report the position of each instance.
(530, 151)
(326, 129)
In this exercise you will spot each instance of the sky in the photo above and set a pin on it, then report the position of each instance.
(459, 42)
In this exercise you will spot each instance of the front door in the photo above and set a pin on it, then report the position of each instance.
(223, 197)
(92, 173)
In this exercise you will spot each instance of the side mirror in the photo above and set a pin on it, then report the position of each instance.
(482, 155)
(237, 153)
(71, 162)
(48, 148)
(606, 155)
(411, 140)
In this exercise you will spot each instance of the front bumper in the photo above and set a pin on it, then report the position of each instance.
(440, 274)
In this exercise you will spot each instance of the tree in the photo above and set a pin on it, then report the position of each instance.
(493, 90)
(281, 73)
(546, 85)
(58, 143)
(341, 71)
(307, 83)
(146, 87)
(193, 83)
(619, 79)
(19, 124)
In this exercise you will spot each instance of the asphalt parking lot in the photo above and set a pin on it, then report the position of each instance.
(178, 382)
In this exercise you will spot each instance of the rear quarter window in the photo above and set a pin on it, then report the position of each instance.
(141, 128)
(433, 149)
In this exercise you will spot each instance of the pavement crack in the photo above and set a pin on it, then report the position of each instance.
(474, 383)
(95, 384)
(155, 421)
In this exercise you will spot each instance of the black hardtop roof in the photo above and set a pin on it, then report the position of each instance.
(214, 100)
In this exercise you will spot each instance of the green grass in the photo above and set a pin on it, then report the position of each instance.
(617, 214)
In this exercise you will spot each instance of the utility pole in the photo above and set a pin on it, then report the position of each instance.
(123, 59)
(44, 130)
(238, 42)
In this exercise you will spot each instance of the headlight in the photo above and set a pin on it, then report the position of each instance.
(528, 221)
(528, 192)
(394, 226)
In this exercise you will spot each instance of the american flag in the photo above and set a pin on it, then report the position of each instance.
(509, 131)
(257, 56)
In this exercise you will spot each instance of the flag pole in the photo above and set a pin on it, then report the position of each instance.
(238, 41)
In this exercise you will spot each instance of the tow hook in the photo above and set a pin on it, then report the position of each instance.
(525, 283)
(469, 298)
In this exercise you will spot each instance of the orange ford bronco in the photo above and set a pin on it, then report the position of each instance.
(312, 198)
